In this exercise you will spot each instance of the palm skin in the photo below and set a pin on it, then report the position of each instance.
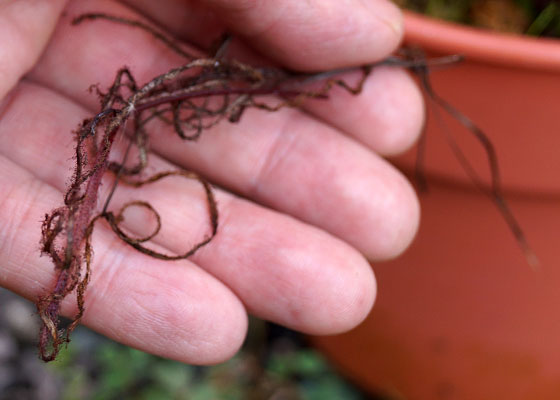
(306, 196)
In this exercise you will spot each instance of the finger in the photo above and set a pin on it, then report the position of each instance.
(387, 115)
(345, 189)
(25, 28)
(390, 100)
(307, 35)
(191, 20)
(281, 269)
(294, 164)
(174, 310)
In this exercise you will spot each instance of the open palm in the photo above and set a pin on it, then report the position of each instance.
(306, 196)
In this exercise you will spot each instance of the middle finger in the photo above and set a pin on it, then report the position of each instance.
(332, 181)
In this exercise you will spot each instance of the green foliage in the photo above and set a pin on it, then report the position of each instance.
(451, 10)
(317, 380)
(107, 371)
(548, 20)
(531, 17)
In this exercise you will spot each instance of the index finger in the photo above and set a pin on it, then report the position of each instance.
(303, 35)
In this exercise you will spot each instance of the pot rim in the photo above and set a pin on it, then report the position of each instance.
(477, 44)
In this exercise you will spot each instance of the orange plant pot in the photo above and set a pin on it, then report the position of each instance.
(509, 85)
(461, 316)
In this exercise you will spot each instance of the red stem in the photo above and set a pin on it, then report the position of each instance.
(90, 197)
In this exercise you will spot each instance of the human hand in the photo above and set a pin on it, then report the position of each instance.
(316, 193)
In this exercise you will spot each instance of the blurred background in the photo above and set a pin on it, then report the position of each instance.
(529, 17)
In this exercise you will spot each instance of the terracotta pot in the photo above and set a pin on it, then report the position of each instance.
(461, 315)
(510, 86)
